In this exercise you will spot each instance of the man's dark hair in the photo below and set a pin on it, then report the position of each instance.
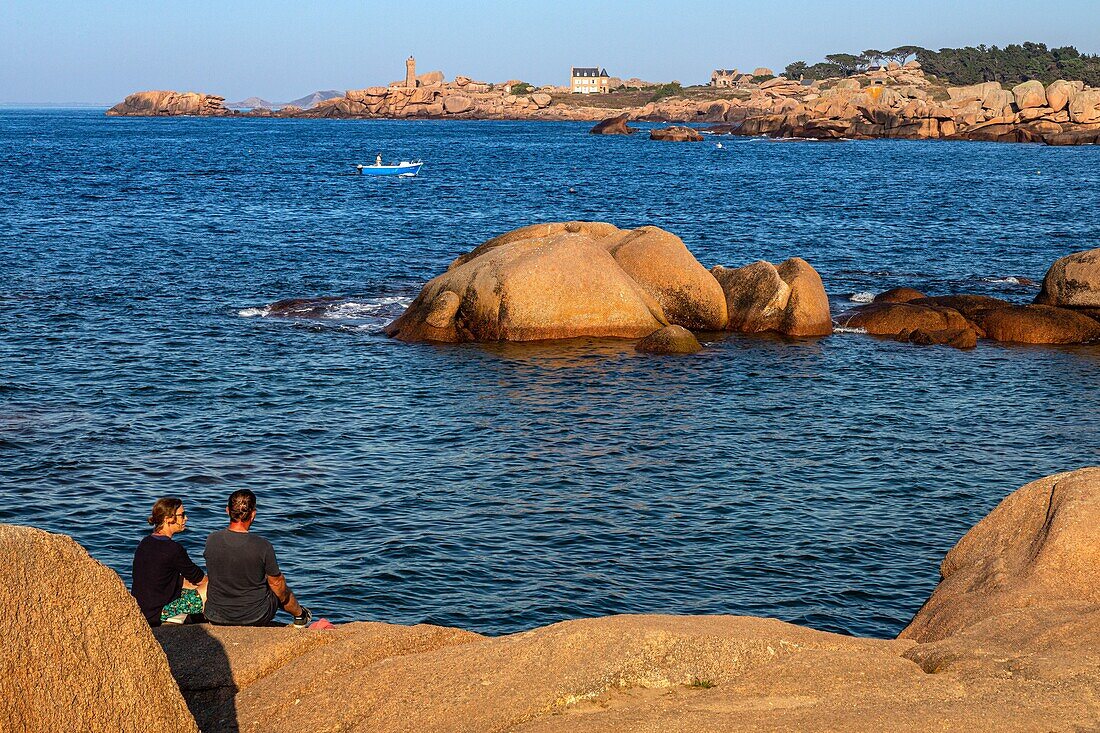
(242, 502)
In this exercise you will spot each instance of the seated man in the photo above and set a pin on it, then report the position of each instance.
(246, 586)
(167, 585)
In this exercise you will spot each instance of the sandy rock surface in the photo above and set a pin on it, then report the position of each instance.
(75, 652)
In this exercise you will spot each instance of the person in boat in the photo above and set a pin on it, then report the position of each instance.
(247, 588)
(378, 159)
(167, 585)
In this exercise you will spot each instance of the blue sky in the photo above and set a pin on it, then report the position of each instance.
(97, 52)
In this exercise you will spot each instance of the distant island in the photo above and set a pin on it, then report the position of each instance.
(874, 94)
(307, 102)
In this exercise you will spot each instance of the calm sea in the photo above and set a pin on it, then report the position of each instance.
(503, 487)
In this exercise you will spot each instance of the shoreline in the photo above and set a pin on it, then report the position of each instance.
(980, 651)
(901, 102)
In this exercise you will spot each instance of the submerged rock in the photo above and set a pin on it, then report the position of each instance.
(670, 340)
(75, 651)
(960, 338)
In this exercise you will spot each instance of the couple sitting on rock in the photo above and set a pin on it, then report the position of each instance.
(245, 586)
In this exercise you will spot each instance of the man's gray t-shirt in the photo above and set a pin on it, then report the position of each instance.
(238, 564)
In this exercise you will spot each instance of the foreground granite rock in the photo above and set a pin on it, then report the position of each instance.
(75, 652)
(1006, 642)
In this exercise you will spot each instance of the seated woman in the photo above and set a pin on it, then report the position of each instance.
(167, 585)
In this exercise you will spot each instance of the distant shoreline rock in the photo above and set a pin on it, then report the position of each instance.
(901, 103)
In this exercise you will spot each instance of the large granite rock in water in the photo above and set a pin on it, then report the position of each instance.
(75, 652)
(1073, 281)
(788, 299)
(563, 280)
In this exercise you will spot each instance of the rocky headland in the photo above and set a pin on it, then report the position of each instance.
(582, 279)
(894, 101)
(1007, 641)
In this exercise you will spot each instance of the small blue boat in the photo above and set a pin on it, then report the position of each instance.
(404, 168)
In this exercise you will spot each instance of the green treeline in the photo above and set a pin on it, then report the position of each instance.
(1010, 65)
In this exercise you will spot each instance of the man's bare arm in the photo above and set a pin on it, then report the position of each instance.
(282, 591)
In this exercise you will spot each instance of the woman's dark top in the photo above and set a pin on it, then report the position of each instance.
(160, 565)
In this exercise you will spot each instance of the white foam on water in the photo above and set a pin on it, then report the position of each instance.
(846, 329)
(354, 309)
(1008, 281)
(862, 297)
(253, 312)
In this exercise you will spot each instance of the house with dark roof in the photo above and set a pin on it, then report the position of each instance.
(588, 80)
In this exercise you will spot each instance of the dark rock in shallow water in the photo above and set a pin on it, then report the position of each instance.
(891, 319)
(302, 307)
(898, 295)
(613, 126)
(960, 338)
(1039, 324)
(676, 134)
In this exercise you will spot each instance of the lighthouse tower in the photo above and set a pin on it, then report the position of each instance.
(410, 73)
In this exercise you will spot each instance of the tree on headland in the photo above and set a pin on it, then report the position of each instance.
(848, 63)
(1010, 65)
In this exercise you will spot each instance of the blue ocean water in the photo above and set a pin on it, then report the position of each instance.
(501, 487)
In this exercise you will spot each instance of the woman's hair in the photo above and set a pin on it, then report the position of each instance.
(242, 502)
(164, 508)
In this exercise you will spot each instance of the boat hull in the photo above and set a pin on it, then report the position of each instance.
(404, 169)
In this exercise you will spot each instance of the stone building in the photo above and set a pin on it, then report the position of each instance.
(588, 80)
(724, 78)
